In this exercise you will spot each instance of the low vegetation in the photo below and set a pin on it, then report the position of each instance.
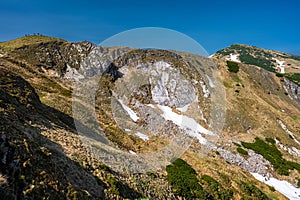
(252, 192)
(185, 183)
(184, 180)
(215, 189)
(294, 77)
(270, 152)
(232, 66)
(27, 40)
(242, 151)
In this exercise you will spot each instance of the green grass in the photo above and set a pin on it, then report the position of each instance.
(41, 95)
(27, 40)
(270, 152)
(295, 118)
(227, 85)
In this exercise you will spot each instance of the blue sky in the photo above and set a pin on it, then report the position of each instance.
(213, 24)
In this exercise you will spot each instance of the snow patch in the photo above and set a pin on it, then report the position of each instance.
(191, 127)
(142, 136)
(283, 187)
(283, 126)
(184, 108)
(234, 57)
(132, 152)
(291, 150)
(130, 112)
(204, 89)
(280, 65)
(210, 82)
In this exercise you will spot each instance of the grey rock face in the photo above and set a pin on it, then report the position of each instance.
(292, 89)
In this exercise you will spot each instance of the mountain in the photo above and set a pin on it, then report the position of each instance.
(79, 121)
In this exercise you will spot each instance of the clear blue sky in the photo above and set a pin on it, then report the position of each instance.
(214, 24)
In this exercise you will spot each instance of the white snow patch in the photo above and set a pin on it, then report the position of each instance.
(234, 57)
(132, 152)
(191, 127)
(204, 89)
(283, 126)
(202, 116)
(184, 108)
(151, 105)
(210, 82)
(283, 187)
(291, 150)
(280, 64)
(142, 136)
(211, 55)
(127, 130)
(130, 112)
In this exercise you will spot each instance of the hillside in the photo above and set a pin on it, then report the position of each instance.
(284, 64)
(231, 119)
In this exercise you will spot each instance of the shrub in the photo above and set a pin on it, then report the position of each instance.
(270, 140)
(273, 155)
(272, 188)
(184, 181)
(232, 66)
(279, 74)
(215, 189)
(252, 192)
(294, 77)
(242, 151)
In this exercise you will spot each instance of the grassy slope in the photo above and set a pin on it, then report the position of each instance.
(27, 40)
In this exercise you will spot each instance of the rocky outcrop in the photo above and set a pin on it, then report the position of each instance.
(292, 89)
(54, 57)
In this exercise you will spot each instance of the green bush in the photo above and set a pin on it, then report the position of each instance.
(270, 140)
(273, 155)
(252, 192)
(215, 189)
(294, 77)
(258, 61)
(232, 66)
(184, 181)
(242, 151)
(279, 74)
(236, 144)
(272, 188)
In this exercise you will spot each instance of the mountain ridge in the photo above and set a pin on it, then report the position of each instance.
(259, 104)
